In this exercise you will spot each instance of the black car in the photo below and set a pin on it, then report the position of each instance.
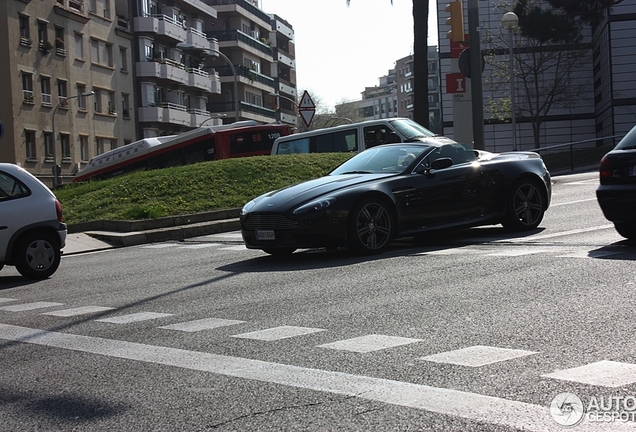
(617, 192)
(400, 190)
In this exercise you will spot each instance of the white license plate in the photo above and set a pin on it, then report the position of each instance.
(632, 170)
(265, 235)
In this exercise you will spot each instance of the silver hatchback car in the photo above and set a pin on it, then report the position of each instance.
(32, 228)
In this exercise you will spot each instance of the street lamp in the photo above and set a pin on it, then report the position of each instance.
(335, 117)
(183, 45)
(57, 170)
(284, 97)
(213, 117)
(510, 21)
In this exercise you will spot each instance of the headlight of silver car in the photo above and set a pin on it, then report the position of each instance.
(317, 205)
(247, 207)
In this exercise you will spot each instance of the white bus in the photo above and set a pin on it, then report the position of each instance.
(355, 137)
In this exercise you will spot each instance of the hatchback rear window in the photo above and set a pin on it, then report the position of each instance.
(629, 141)
(10, 187)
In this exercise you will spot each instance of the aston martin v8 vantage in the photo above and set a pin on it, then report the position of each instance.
(400, 190)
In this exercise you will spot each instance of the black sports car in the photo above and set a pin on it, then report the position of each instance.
(400, 190)
(617, 192)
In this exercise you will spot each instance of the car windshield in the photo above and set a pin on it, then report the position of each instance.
(411, 130)
(629, 141)
(383, 159)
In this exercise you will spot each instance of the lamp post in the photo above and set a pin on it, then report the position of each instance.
(213, 117)
(335, 117)
(510, 22)
(184, 45)
(57, 170)
(286, 98)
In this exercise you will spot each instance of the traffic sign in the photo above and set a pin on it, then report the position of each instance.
(307, 108)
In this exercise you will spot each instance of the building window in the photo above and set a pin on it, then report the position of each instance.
(79, 46)
(25, 35)
(108, 55)
(81, 101)
(123, 59)
(94, 51)
(98, 101)
(106, 8)
(66, 146)
(27, 88)
(48, 145)
(124, 106)
(42, 32)
(63, 95)
(92, 6)
(111, 103)
(45, 85)
(83, 139)
(29, 141)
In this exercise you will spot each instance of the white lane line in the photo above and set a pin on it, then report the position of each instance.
(136, 317)
(604, 373)
(572, 202)
(518, 252)
(235, 248)
(200, 246)
(201, 324)
(470, 406)
(5, 300)
(159, 246)
(477, 356)
(277, 333)
(557, 234)
(29, 306)
(369, 343)
(83, 310)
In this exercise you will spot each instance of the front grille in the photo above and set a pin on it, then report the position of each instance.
(266, 221)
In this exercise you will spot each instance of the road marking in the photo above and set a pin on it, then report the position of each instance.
(557, 234)
(470, 406)
(370, 343)
(201, 324)
(477, 356)
(159, 246)
(604, 373)
(199, 246)
(518, 252)
(572, 202)
(29, 306)
(136, 317)
(235, 248)
(590, 254)
(83, 310)
(278, 333)
(5, 300)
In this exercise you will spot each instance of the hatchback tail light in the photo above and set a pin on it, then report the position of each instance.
(58, 210)
(605, 169)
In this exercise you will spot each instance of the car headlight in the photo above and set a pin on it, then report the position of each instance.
(316, 205)
(247, 207)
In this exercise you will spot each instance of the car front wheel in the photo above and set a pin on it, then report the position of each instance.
(525, 207)
(626, 229)
(370, 227)
(37, 256)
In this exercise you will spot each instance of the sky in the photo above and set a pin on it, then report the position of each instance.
(341, 50)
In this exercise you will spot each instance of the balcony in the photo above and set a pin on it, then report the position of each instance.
(165, 112)
(163, 68)
(198, 116)
(205, 81)
(242, 38)
(197, 39)
(161, 25)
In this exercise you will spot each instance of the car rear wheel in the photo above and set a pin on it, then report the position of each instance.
(525, 207)
(370, 227)
(37, 256)
(626, 229)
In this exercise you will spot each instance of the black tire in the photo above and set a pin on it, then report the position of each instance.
(525, 207)
(280, 252)
(626, 229)
(370, 227)
(37, 256)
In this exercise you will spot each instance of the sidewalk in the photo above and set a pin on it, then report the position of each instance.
(100, 235)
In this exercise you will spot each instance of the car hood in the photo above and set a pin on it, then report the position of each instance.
(293, 196)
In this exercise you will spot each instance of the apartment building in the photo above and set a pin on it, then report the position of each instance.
(67, 87)
(86, 76)
(605, 106)
(261, 48)
(393, 96)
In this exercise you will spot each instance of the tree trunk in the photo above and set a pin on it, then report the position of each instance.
(420, 62)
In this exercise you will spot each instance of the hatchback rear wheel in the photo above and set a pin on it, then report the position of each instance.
(626, 229)
(37, 256)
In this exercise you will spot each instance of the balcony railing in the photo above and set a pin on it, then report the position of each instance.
(27, 96)
(63, 101)
(46, 99)
(25, 41)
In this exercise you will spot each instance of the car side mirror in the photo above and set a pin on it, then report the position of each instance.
(441, 163)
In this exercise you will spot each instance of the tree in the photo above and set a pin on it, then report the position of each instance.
(548, 58)
(420, 61)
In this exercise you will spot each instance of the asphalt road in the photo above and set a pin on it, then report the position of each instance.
(481, 330)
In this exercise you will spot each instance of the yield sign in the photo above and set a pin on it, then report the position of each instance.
(307, 108)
